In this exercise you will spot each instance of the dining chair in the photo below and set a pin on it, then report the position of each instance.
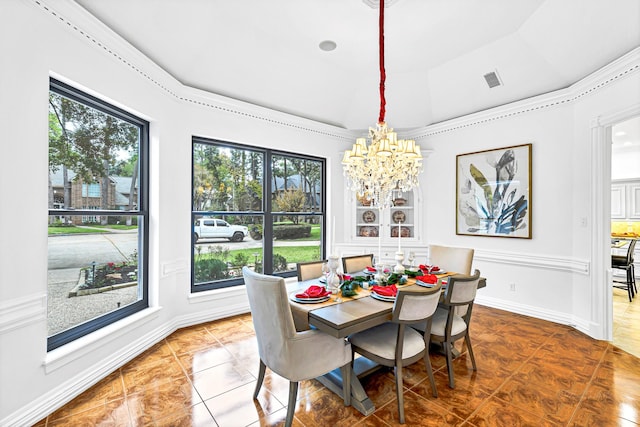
(625, 263)
(453, 259)
(309, 270)
(447, 326)
(293, 355)
(394, 344)
(356, 263)
(457, 260)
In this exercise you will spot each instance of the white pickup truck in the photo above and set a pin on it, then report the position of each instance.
(209, 228)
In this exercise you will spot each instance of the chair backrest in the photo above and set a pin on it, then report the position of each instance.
(353, 264)
(457, 260)
(632, 247)
(413, 306)
(271, 314)
(309, 270)
(461, 289)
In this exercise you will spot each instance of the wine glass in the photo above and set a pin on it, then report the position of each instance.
(411, 258)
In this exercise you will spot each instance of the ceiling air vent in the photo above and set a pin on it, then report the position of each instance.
(492, 79)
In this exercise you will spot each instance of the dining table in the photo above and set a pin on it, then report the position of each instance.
(341, 316)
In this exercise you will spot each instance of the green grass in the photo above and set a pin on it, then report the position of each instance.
(71, 230)
(291, 253)
(116, 226)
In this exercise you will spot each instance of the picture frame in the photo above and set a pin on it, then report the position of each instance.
(493, 192)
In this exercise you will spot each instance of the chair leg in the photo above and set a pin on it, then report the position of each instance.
(447, 350)
(467, 340)
(427, 362)
(629, 285)
(400, 393)
(291, 406)
(261, 371)
(346, 383)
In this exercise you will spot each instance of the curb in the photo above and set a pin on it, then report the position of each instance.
(77, 292)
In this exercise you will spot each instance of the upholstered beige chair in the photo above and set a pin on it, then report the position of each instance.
(357, 263)
(309, 270)
(448, 327)
(397, 345)
(457, 260)
(293, 355)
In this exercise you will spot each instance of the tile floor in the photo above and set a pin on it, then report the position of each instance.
(530, 373)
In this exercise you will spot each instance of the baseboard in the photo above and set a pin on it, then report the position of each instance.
(526, 310)
(46, 404)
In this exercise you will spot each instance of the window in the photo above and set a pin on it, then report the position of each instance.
(91, 190)
(253, 207)
(98, 218)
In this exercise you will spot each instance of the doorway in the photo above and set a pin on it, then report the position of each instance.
(625, 225)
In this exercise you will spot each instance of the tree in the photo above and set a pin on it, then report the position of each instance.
(290, 201)
(86, 141)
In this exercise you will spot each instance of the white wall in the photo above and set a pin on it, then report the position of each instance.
(551, 271)
(34, 44)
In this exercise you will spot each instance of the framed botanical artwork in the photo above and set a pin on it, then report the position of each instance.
(493, 192)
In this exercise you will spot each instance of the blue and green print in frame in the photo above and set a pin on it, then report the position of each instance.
(494, 192)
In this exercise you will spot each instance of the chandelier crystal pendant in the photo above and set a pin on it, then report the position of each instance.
(383, 165)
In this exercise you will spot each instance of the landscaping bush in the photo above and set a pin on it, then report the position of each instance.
(279, 263)
(291, 231)
(208, 269)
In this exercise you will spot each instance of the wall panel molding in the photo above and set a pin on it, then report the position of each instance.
(537, 261)
(19, 312)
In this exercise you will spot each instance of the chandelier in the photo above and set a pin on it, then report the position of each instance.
(383, 165)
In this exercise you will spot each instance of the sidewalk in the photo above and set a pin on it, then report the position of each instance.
(64, 312)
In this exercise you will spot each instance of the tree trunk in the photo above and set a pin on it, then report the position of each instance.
(132, 189)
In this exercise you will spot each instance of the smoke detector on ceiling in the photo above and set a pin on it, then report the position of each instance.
(493, 79)
(375, 4)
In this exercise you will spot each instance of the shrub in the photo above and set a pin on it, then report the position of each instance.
(291, 231)
(255, 231)
(279, 263)
(209, 269)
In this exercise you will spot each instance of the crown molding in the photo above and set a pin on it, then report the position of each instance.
(625, 66)
(85, 26)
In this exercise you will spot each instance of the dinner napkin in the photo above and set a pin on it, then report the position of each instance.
(429, 278)
(314, 291)
(371, 269)
(429, 268)
(387, 291)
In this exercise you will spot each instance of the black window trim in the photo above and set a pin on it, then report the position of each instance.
(267, 213)
(142, 212)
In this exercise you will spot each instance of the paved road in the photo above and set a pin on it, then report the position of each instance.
(79, 250)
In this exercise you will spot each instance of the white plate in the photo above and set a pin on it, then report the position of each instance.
(322, 280)
(293, 297)
(439, 272)
(382, 297)
(429, 285)
(368, 273)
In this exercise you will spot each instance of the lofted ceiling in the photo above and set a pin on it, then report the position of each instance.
(437, 51)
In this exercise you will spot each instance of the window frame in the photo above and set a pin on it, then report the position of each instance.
(142, 212)
(267, 213)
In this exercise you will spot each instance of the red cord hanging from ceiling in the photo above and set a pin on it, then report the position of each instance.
(383, 75)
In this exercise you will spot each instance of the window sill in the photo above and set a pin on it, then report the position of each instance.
(81, 347)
